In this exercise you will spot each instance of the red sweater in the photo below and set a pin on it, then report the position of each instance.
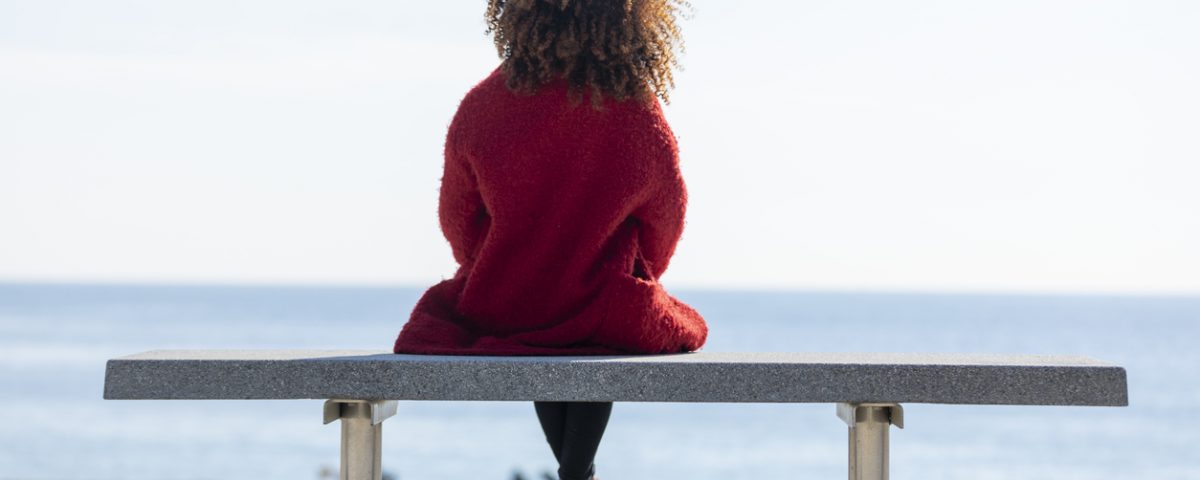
(561, 218)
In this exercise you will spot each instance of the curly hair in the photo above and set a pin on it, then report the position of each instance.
(618, 48)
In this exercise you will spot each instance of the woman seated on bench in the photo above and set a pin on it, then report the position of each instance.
(562, 201)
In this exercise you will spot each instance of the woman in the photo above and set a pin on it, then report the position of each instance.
(562, 201)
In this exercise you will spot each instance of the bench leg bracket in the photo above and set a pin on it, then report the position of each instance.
(362, 435)
(869, 423)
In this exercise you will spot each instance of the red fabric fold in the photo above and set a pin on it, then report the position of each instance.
(561, 217)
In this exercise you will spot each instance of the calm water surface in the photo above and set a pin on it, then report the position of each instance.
(54, 340)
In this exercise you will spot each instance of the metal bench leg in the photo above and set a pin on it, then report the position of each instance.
(362, 435)
(869, 424)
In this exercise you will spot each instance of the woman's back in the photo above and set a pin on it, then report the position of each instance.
(562, 202)
(562, 216)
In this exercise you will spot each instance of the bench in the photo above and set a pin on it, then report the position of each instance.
(361, 388)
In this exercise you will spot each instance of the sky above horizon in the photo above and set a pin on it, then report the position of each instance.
(1038, 146)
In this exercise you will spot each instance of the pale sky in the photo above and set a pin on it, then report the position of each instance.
(1040, 146)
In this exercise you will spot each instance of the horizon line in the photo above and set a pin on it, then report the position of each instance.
(782, 289)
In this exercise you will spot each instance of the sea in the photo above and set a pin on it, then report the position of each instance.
(55, 339)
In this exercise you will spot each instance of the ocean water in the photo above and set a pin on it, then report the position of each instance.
(54, 340)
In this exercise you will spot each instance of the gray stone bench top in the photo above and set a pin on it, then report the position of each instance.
(687, 377)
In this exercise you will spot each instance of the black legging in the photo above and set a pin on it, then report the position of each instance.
(573, 430)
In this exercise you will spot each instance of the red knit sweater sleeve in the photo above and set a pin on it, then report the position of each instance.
(661, 210)
(463, 216)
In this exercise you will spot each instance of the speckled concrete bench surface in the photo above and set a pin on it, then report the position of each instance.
(688, 377)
